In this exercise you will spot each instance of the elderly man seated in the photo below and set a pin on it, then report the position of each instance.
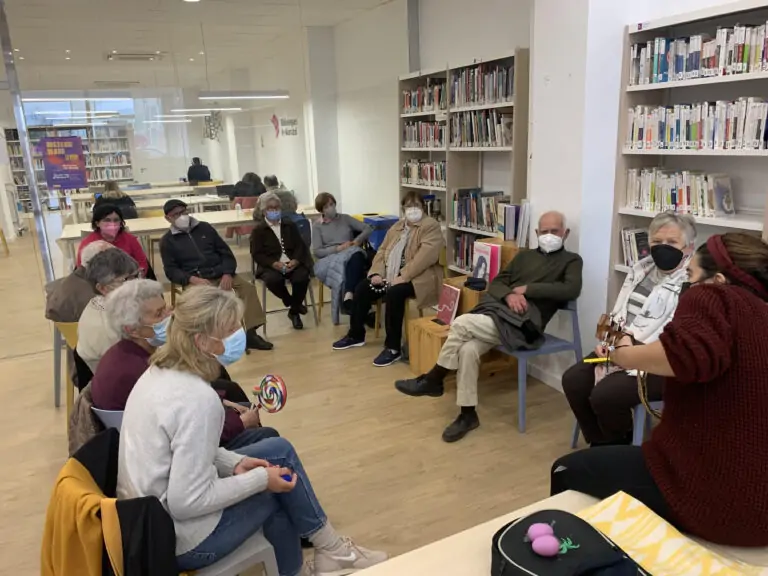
(194, 254)
(67, 297)
(520, 302)
(139, 314)
(106, 272)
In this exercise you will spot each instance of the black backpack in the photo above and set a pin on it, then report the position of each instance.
(584, 550)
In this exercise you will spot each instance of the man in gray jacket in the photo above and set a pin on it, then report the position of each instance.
(519, 303)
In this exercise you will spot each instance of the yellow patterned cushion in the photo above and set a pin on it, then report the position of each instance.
(655, 544)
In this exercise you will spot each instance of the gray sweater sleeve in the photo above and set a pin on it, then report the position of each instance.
(363, 230)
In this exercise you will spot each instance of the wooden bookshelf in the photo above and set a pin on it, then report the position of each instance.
(107, 150)
(745, 167)
(463, 164)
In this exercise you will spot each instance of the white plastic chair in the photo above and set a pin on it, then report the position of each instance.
(255, 550)
(110, 418)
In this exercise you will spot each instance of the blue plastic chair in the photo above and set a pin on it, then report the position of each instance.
(641, 424)
(552, 345)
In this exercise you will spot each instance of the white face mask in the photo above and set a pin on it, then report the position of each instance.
(414, 214)
(550, 243)
(182, 222)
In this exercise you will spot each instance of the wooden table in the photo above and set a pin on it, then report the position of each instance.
(468, 553)
(196, 203)
(82, 200)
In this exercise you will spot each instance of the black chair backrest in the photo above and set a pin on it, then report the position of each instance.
(225, 190)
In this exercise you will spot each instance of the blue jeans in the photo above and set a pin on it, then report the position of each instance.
(251, 436)
(285, 518)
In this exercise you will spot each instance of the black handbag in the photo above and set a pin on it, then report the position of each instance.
(584, 551)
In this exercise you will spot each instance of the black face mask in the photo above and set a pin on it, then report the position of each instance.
(666, 257)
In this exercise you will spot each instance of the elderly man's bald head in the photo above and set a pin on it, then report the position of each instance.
(551, 221)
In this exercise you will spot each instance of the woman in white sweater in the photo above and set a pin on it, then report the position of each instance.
(169, 448)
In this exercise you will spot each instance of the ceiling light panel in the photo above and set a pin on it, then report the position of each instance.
(244, 95)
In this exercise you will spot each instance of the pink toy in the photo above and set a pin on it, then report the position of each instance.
(547, 546)
(538, 530)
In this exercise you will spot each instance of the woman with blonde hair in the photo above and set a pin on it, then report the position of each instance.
(113, 195)
(169, 448)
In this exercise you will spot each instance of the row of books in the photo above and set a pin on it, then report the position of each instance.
(464, 250)
(424, 172)
(721, 125)
(634, 242)
(120, 159)
(478, 209)
(113, 145)
(697, 193)
(481, 128)
(110, 132)
(737, 50)
(100, 174)
(14, 149)
(482, 84)
(424, 134)
(431, 97)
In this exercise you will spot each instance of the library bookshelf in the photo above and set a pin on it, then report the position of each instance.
(696, 66)
(107, 151)
(440, 153)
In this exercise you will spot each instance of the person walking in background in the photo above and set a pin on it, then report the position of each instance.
(336, 244)
(281, 254)
(113, 195)
(602, 399)
(198, 172)
(194, 254)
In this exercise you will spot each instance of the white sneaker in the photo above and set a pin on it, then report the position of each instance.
(346, 560)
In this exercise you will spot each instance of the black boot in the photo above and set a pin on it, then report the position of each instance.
(256, 342)
(463, 425)
(421, 386)
(295, 318)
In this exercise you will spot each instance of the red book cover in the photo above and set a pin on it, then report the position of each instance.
(448, 304)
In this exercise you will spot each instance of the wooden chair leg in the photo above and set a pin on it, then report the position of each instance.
(321, 295)
(377, 321)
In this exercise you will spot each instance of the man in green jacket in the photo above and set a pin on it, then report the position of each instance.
(519, 303)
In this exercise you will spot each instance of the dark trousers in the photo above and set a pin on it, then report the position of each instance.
(604, 411)
(275, 281)
(396, 300)
(354, 272)
(603, 471)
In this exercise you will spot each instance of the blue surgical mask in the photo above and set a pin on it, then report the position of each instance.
(273, 215)
(234, 348)
(161, 329)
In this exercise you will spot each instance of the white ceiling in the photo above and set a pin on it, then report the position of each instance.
(234, 34)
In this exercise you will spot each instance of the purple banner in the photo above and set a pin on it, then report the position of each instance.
(64, 163)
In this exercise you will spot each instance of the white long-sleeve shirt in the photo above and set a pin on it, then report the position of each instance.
(169, 448)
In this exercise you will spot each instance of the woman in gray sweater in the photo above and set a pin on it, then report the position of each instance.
(336, 244)
(217, 498)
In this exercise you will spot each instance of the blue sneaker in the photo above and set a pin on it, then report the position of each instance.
(387, 358)
(348, 342)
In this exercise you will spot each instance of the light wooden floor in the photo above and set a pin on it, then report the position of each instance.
(375, 456)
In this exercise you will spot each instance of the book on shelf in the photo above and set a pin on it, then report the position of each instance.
(736, 50)
(424, 134)
(486, 261)
(481, 128)
(722, 125)
(429, 97)
(635, 245)
(101, 174)
(688, 192)
(433, 206)
(448, 304)
(478, 209)
(524, 224)
(482, 84)
(464, 248)
(423, 172)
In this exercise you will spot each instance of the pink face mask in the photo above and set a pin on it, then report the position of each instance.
(109, 229)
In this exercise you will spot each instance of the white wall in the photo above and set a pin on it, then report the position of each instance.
(371, 53)
(453, 31)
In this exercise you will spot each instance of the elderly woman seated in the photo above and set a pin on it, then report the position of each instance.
(281, 254)
(217, 499)
(95, 335)
(602, 398)
(341, 263)
(138, 313)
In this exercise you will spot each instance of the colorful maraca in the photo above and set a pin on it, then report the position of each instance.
(271, 393)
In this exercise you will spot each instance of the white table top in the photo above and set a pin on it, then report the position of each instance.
(468, 553)
(206, 200)
(151, 192)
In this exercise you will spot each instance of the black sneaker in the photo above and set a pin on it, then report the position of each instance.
(296, 321)
(460, 427)
(347, 342)
(387, 358)
(256, 342)
(420, 386)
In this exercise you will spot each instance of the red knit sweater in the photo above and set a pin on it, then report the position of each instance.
(709, 454)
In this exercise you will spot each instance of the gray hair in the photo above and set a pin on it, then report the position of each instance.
(560, 215)
(92, 249)
(268, 197)
(685, 223)
(108, 266)
(124, 305)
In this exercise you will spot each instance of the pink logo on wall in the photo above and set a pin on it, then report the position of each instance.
(276, 124)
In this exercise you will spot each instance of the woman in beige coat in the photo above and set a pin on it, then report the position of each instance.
(405, 267)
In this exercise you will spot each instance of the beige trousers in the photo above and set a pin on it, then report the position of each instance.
(471, 336)
(254, 314)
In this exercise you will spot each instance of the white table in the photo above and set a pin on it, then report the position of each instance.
(196, 203)
(82, 200)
